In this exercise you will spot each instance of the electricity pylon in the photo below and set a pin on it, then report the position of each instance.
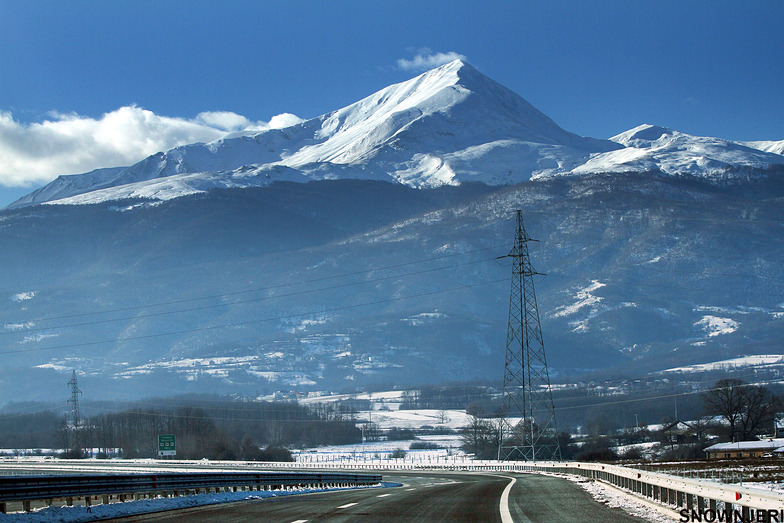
(527, 428)
(76, 421)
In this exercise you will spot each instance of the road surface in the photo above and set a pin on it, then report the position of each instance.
(424, 497)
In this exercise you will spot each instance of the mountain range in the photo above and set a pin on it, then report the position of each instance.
(359, 248)
(448, 126)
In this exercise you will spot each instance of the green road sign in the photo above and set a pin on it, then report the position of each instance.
(166, 445)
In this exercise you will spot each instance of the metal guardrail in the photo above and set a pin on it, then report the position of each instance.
(673, 493)
(48, 487)
(676, 494)
(686, 497)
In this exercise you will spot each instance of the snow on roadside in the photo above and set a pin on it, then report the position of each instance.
(614, 499)
(145, 506)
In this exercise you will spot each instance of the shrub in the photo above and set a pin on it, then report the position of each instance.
(423, 445)
(398, 454)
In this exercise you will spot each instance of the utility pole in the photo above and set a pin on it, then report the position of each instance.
(526, 391)
(75, 419)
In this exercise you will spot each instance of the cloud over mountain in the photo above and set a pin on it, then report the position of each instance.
(33, 153)
(427, 59)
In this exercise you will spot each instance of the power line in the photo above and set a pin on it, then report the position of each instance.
(240, 302)
(250, 322)
(267, 288)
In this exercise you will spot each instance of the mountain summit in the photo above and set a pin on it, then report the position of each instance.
(447, 126)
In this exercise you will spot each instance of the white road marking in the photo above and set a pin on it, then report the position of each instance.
(383, 495)
(348, 505)
(410, 489)
(506, 516)
(300, 521)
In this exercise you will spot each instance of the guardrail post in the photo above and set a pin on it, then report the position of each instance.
(26, 505)
(69, 501)
(3, 508)
(689, 501)
(678, 498)
(700, 504)
(105, 499)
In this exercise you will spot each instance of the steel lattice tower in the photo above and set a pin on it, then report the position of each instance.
(527, 428)
(74, 404)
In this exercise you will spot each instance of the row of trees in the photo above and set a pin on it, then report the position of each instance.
(732, 410)
(224, 430)
(748, 410)
(215, 428)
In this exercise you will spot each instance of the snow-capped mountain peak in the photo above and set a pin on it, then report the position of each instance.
(653, 148)
(447, 126)
(644, 136)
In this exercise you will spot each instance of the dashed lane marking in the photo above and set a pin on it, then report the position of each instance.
(347, 505)
(383, 495)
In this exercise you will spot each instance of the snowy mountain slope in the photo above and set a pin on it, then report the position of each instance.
(776, 147)
(322, 284)
(653, 148)
(447, 126)
(68, 185)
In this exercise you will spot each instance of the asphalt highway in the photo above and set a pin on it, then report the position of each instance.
(425, 497)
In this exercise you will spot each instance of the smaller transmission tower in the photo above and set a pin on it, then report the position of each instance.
(76, 421)
(527, 428)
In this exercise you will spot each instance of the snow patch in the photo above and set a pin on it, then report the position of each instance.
(16, 327)
(716, 326)
(23, 296)
(584, 298)
(423, 318)
(756, 360)
(613, 498)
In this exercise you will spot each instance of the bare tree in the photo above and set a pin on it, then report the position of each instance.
(760, 411)
(746, 408)
(477, 436)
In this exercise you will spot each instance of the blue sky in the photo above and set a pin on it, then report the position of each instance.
(154, 73)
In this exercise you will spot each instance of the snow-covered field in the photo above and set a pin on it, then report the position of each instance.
(417, 418)
(734, 363)
(381, 451)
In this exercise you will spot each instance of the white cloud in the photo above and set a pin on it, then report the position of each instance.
(284, 120)
(225, 120)
(69, 143)
(426, 59)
